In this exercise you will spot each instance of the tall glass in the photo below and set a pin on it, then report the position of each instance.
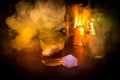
(52, 45)
(98, 39)
(96, 47)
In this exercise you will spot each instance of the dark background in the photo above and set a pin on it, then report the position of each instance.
(109, 69)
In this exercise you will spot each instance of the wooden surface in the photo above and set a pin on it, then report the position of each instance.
(27, 65)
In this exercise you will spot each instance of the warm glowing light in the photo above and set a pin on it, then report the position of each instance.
(86, 14)
(78, 16)
(81, 15)
(81, 31)
(79, 35)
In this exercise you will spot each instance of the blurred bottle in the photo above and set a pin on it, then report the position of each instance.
(79, 27)
(95, 45)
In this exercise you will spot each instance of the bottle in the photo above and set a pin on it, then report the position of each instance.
(79, 29)
(95, 46)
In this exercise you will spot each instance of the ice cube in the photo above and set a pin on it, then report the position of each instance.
(69, 61)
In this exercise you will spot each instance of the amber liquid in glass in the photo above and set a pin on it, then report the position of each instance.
(54, 59)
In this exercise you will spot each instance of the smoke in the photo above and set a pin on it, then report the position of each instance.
(35, 22)
(32, 18)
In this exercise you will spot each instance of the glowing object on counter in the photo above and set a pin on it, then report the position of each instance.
(69, 61)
